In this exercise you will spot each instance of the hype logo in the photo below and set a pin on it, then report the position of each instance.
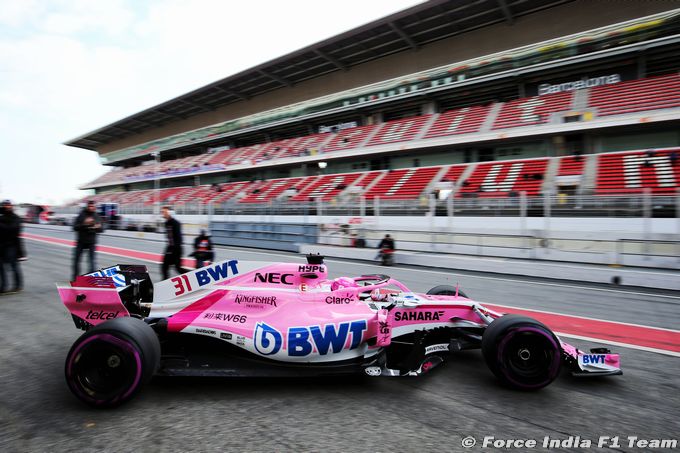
(267, 339)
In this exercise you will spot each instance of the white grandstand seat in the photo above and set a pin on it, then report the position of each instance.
(326, 187)
(399, 130)
(348, 138)
(500, 178)
(636, 171)
(403, 184)
(533, 110)
(459, 121)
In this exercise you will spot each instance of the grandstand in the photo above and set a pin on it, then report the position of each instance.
(592, 111)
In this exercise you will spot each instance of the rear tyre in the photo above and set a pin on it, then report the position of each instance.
(446, 290)
(522, 352)
(108, 364)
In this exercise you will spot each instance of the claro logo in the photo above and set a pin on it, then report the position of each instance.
(275, 278)
(338, 300)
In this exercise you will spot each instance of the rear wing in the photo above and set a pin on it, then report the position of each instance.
(113, 292)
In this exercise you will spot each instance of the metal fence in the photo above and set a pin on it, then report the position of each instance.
(638, 205)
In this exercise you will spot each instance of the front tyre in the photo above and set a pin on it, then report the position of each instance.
(522, 352)
(108, 364)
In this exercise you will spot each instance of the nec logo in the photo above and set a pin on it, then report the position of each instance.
(275, 278)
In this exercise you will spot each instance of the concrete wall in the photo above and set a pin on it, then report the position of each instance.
(570, 18)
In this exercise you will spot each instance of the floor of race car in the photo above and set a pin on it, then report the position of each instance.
(429, 413)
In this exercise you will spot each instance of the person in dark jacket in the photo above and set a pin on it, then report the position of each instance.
(203, 249)
(87, 226)
(173, 249)
(385, 250)
(10, 248)
(386, 243)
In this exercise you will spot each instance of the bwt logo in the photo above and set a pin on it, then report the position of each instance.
(216, 273)
(275, 278)
(118, 279)
(204, 277)
(591, 359)
(303, 340)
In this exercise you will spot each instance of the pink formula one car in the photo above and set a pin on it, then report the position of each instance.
(237, 318)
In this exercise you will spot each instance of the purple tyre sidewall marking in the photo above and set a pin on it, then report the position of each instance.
(107, 338)
(554, 366)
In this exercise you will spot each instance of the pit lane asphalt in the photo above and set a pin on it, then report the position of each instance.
(430, 413)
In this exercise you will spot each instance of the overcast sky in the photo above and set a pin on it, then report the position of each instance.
(68, 67)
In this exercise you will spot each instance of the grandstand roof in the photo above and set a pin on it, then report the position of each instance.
(405, 30)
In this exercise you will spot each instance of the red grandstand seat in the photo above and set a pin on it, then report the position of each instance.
(498, 179)
(307, 145)
(459, 121)
(636, 171)
(532, 110)
(326, 187)
(271, 189)
(399, 130)
(571, 165)
(348, 138)
(454, 172)
(403, 184)
(653, 93)
(233, 190)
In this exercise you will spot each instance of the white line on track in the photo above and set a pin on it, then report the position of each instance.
(98, 251)
(562, 285)
(616, 343)
(354, 263)
(578, 316)
(587, 288)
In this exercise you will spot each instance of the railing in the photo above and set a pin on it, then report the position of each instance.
(640, 248)
(640, 205)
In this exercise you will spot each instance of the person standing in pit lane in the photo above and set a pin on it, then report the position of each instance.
(10, 248)
(87, 225)
(203, 250)
(173, 249)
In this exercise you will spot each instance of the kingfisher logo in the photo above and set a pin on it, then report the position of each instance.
(303, 340)
(249, 299)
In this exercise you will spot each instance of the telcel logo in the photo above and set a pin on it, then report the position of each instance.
(104, 315)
